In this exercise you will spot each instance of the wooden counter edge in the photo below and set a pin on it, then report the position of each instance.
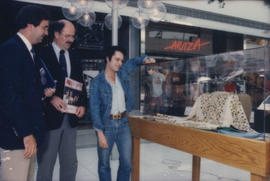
(248, 154)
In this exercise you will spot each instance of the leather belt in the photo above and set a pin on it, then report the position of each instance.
(118, 116)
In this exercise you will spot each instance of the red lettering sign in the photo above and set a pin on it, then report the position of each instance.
(183, 46)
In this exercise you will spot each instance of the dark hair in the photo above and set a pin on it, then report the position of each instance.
(31, 14)
(55, 26)
(111, 50)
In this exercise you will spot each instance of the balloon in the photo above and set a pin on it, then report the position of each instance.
(140, 20)
(108, 21)
(71, 10)
(87, 19)
(158, 12)
(145, 4)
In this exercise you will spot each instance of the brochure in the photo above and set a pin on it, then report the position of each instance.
(72, 91)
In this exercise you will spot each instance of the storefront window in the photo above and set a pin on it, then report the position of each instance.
(172, 35)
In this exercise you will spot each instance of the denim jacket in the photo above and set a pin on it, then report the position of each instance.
(101, 93)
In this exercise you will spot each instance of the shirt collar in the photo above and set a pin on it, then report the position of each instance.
(116, 80)
(56, 48)
(26, 41)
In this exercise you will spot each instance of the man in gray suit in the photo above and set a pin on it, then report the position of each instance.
(62, 62)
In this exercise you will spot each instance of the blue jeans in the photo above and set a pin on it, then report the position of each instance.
(119, 133)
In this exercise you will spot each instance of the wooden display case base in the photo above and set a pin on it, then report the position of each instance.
(247, 154)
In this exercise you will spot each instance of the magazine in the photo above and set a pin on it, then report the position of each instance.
(265, 105)
(72, 91)
(47, 80)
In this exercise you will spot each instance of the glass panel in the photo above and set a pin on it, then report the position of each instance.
(220, 92)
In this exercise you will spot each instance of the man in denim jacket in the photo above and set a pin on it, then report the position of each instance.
(110, 100)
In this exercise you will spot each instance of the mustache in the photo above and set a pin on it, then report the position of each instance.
(69, 42)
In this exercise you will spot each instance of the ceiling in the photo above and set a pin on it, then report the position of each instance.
(234, 17)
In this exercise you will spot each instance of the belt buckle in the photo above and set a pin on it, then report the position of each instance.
(115, 116)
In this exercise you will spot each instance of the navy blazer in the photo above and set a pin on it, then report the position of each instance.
(21, 107)
(54, 118)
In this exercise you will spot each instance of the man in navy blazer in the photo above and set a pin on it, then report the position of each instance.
(22, 125)
(61, 138)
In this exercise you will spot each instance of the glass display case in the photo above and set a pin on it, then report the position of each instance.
(226, 92)
(214, 107)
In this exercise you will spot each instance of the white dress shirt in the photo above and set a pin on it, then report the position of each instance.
(118, 96)
(57, 50)
(27, 43)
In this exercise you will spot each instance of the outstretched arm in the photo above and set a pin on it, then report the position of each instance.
(132, 63)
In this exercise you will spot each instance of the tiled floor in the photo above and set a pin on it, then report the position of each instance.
(158, 163)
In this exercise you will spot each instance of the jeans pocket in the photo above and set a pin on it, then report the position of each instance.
(124, 123)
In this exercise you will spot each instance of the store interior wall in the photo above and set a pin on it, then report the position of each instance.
(129, 37)
(232, 8)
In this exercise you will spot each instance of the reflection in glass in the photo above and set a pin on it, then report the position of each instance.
(216, 91)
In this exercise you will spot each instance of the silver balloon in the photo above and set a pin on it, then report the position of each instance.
(119, 3)
(108, 21)
(158, 12)
(82, 2)
(145, 4)
(140, 20)
(71, 10)
(86, 5)
(87, 19)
